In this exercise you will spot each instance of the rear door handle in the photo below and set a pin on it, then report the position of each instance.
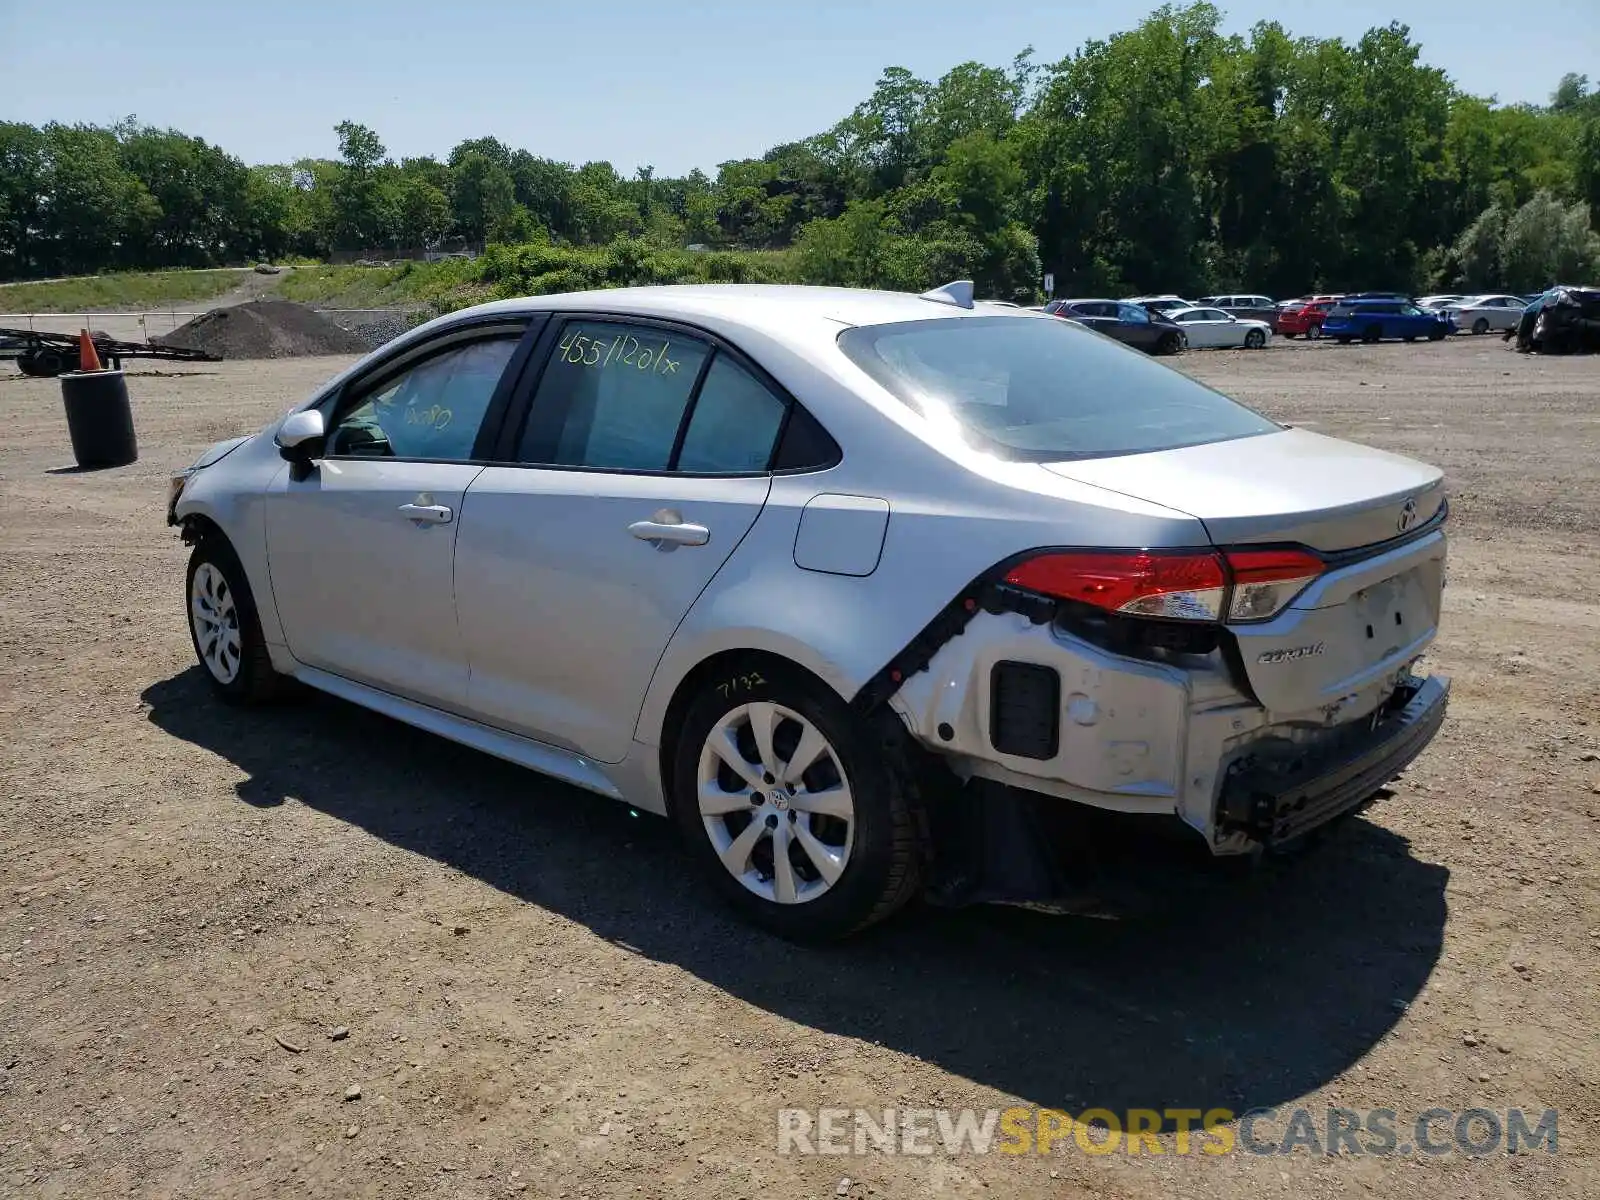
(668, 529)
(426, 514)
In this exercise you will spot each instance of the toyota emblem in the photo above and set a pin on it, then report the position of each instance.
(1408, 514)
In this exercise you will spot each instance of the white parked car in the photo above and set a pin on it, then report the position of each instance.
(1439, 301)
(1480, 314)
(1213, 329)
(824, 575)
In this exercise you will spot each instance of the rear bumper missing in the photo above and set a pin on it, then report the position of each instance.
(1275, 802)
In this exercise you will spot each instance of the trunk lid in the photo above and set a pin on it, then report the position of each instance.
(1337, 648)
(1291, 486)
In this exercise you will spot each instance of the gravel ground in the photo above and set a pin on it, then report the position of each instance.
(308, 951)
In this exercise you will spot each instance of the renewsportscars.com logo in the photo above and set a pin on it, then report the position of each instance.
(1375, 1132)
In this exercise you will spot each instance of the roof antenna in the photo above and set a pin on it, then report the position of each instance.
(957, 294)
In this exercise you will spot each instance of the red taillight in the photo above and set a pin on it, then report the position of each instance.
(1187, 587)
(1264, 581)
(1244, 585)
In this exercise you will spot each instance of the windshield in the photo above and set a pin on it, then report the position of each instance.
(1038, 390)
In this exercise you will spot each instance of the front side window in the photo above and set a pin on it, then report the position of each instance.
(613, 395)
(1044, 391)
(433, 410)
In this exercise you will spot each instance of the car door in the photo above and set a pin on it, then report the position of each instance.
(1206, 327)
(1135, 326)
(642, 461)
(361, 547)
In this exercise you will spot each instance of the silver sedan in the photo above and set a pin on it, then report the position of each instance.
(841, 582)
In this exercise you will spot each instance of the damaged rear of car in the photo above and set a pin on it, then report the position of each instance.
(1256, 682)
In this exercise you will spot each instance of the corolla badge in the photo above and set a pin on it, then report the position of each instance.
(1282, 656)
(1408, 515)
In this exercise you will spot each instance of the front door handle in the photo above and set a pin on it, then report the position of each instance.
(426, 514)
(667, 528)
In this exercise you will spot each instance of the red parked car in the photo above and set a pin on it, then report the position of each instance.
(1305, 316)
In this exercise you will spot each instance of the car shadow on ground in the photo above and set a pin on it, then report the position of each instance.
(1251, 998)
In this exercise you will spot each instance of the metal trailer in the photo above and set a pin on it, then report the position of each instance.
(45, 355)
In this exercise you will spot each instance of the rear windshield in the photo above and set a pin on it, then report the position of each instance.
(1044, 390)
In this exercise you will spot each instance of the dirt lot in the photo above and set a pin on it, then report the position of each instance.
(193, 900)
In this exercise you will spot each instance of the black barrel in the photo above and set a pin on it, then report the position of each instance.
(99, 418)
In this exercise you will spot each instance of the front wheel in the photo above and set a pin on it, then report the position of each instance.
(1314, 333)
(802, 816)
(1170, 343)
(1254, 340)
(224, 627)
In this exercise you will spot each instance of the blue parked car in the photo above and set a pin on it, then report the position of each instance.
(1374, 320)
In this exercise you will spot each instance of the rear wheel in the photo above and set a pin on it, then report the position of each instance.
(1344, 340)
(802, 817)
(1410, 337)
(1481, 325)
(224, 627)
(1371, 334)
(1254, 339)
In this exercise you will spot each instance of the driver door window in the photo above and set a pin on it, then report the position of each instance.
(431, 411)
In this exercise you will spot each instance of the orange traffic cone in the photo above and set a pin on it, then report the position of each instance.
(88, 356)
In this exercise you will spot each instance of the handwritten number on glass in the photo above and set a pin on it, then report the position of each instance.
(624, 349)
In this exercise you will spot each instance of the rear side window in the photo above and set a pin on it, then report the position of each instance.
(735, 422)
(1043, 391)
(613, 395)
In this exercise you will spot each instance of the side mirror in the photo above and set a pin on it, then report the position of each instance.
(300, 439)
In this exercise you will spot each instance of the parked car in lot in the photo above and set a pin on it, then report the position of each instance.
(1375, 320)
(1246, 307)
(1213, 329)
(1305, 319)
(1129, 323)
(1480, 314)
(1439, 301)
(814, 572)
(1160, 304)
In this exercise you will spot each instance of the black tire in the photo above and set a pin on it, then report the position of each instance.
(1409, 338)
(1371, 335)
(41, 364)
(1344, 340)
(255, 682)
(1436, 335)
(883, 870)
(1169, 344)
(1254, 339)
(1481, 325)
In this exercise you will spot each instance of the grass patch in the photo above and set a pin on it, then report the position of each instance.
(133, 289)
(440, 286)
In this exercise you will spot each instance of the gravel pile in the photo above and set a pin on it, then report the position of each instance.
(264, 329)
(376, 326)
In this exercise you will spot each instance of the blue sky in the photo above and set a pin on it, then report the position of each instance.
(673, 83)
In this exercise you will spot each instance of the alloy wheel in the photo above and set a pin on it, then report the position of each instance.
(776, 803)
(215, 619)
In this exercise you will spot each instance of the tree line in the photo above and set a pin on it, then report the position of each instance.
(1171, 156)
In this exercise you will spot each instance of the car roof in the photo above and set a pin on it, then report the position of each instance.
(797, 316)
